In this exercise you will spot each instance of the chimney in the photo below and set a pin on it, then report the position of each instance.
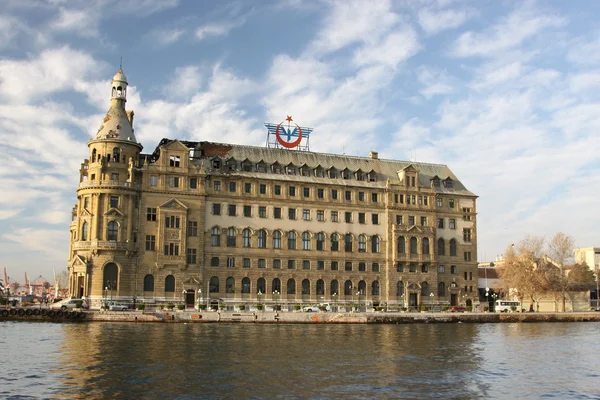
(374, 155)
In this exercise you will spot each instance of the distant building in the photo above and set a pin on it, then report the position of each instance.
(201, 222)
(588, 255)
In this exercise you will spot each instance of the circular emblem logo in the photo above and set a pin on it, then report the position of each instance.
(292, 131)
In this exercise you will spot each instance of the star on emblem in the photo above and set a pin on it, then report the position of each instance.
(289, 118)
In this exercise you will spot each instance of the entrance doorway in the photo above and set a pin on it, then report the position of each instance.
(189, 298)
(412, 299)
(453, 299)
(80, 281)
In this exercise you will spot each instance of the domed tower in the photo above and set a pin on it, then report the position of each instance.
(103, 231)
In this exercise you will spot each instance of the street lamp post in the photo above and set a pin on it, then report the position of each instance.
(597, 288)
(275, 294)
(258, 297)
(431, 301)
(334, 297)
(199, 298)
(183, 293)
(494, 295)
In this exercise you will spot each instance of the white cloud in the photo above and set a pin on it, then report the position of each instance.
(433, 21)
(165, 36)
(187, 81)
(511, 31)
(434, 80)
(83, 22)
(584, 81)
(53, 243)
(393, 49)
(218, 28)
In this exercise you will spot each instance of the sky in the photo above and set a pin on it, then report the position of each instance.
(503, 92)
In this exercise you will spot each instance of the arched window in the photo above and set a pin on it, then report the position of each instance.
(215, 237)
(334, 288)
(400, 289)
(230, 285)
(246, 235)
(348, 288)
(441, 247)
(424, 289)
(320, 287)
(94, 155)
(292, 240)
(169, 284)
(334, 242)
(276, 284)
(375, 288)
(214, 285)
(401, 245)
(148, 283)
(348, 242)
(277, 239)
(375, 244)
(362, 243)
(112, 232)
(109, 281)
(262, 239)
(305, 286)
(84, 231)
(425, 246)
(452, 247)
(231, 237)
(320, 241)
(116, 155)
(441, 289)
(305, 241)
(261, 285)
(413, 245)
(291, 286)
(246, 285)
(362, 288)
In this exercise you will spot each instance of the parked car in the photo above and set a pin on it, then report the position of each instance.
(311, 309)
(113, 306)
(69, 304)
(457, 309)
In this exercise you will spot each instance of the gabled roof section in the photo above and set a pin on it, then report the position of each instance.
(175, 145)
(114, 211)
(78, 260)
(173, 203)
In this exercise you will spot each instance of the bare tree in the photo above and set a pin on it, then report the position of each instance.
(560, 249)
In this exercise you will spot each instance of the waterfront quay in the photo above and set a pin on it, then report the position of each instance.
(275, 317)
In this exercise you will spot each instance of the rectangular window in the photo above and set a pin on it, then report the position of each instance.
(395, 197)
(452, 223)
(467, 256)
(399, 267)
(86, 202)
(348, 266)
(174, 161)
(172, 222)
(411, 220)
(191, 256)
(440, 203)
(232, 187)
(374, 197)
(174, 181)
(348, 217)
(193, 183)
(320, 193)
(262, 263)
(231, 208)
(399, 219)
(217, 186)
(216, 209)
(306, 192)
(153, 180)
(425, 200)
(306, 215)
(401, 199)
(420, 200)
(291, 213)
(451, 203)
(424, 268)
(114, 176)
(320, 215)
(230, 262)
(375, 219)
(150, 214)
(470, 276)
(414, 199)
(262, 212)
(262, 188)
(334, 216)
(277, 213)
(150, 243)
(412, 268)
(361, 218)
(467, 234)
(305, 264)
(114, 201)
(277, 190)
(423, 221)
(320, 265)
(375, 267)
(245, 263)
(348, 195)
(247, 211)
(334, 265)
(334, 194)
(441, 269)
(192, 228)
(292, 191)
(291, 264)
(247, 187)
(276, 264)
(361, 196)
(412, 180)
(467, 214)
(171, 249)
(441, 223)
(453, 269)
(214, 262)
(362, 267)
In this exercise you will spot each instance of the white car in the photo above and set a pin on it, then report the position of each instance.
(69, 304)
(311, 309)
(117, 306)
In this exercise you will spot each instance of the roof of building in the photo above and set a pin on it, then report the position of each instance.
(488, 272)
(385, 169)
(116, 124)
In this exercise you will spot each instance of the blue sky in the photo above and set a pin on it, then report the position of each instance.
(503, 92)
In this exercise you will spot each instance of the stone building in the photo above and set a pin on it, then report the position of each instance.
(208, 222)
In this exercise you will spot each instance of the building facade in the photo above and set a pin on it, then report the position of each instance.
(202, 222)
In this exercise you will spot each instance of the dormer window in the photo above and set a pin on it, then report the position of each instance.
(319, 172)
(372, 176)
(360, 176)
(276, 168)
(290, 170)
(231, 165)
(435, 182)
(346, 174)
(261, 167)
(216, 163)
(305, 171)
(333, 173)
(247, 166)
(174, 161)
(448, 183)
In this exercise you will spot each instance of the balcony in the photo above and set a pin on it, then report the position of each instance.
(416, 257)
(413, 229)
(99, 245)
(91, 184)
